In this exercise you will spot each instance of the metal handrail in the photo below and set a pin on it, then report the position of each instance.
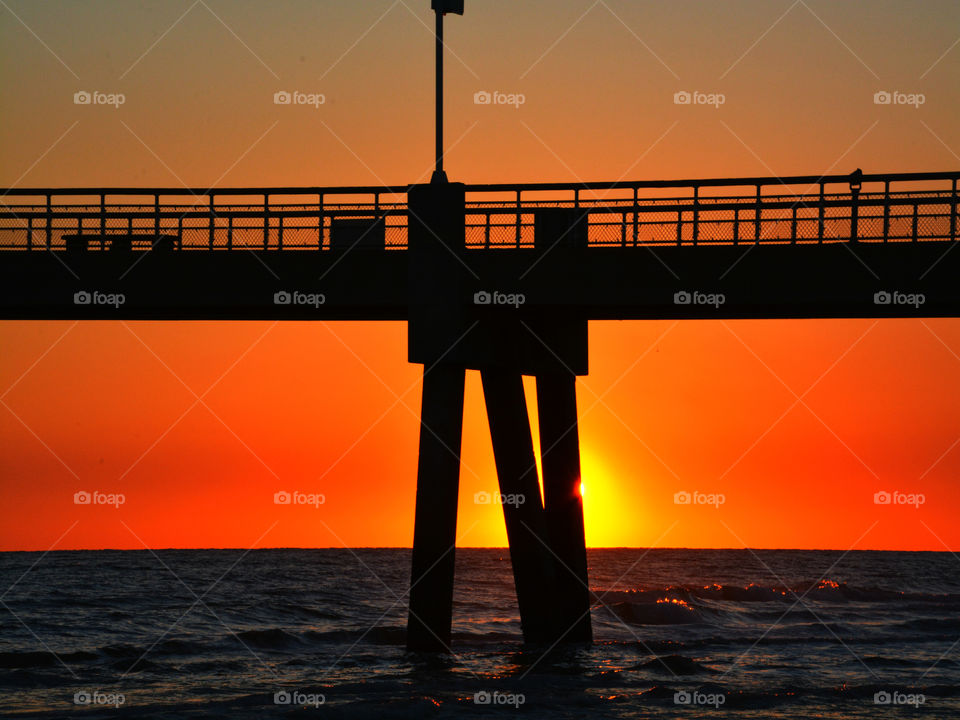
(691, 215)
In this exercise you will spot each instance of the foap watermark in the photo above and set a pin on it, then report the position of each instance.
(301, 699)
(496, 498)
(895, 97)
(296, 297)
(295, 97)
(895, 697)
(699, 498)
(882, 497)
(695, 297)
(495, 297)
(282, 497)
(96, 697)
(695, 697)
(895, 297)
(483, 97)
(86, 97)
(82, 497)
(695, 97)
(95, 297)
(486, 697)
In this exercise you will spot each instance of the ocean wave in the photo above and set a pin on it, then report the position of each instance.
(658, 612)
(674, 665)
(823, 590)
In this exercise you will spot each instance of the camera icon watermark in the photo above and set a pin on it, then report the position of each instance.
(282, 497)
(695, 97)
(487, 697)
(895, 97)
(295, 297)
(82, 497)
(484, 97)
(95, 697)
(496, 498)
(86, 97)
(695, 297)
(295, 697)
(95, 297)
(495, 297)
(694, 697)
(882, 497)
(295, 97)
(895, 697)
(696, 497)
(895, 297)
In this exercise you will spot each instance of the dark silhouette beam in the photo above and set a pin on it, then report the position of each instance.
(563, 503)
(435, 523)
(533, 567)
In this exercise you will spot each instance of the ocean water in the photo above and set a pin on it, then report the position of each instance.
(320, 633)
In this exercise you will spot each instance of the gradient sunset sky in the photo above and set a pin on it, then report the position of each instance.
(797, 423)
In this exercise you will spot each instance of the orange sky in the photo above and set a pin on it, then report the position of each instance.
(700, 406)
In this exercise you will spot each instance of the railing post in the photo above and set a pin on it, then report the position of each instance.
(679, 227)
(320, 221)
(230, 232)
(736, 226)
(793, 225)
(820, 215)
(212, 222)
(636, 217)
(280, 232)
(757, 216)
(30, 232)
(486, 232)
(696, 213)
(156, 219)
(886, 211)
(916, 207)
(50, 218)
(854, 216)
(518, 230)
(953, 212)
(623, 228)
(103, 221)
(266, 221)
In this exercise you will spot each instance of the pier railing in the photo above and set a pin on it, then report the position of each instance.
(908, 207)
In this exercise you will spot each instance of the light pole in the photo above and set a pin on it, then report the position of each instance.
(441, 8)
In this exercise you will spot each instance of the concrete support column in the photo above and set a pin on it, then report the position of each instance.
(563, 503)
(435, 524)
(533, 564)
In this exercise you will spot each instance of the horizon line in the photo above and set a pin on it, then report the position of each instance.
(476, 547)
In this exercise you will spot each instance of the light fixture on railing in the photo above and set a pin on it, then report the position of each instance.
(856, 181)
(448, 6)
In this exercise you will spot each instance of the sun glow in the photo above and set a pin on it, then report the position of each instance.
(607, 519)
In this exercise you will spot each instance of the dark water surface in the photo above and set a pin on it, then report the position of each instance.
(679, 634)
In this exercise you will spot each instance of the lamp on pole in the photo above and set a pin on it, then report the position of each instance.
(441, 8)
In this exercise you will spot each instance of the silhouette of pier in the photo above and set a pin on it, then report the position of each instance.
(498, 278)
